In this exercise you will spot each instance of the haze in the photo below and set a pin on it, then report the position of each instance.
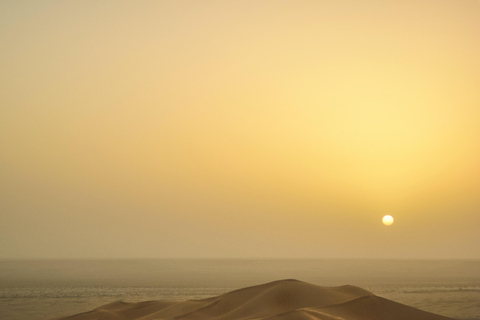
(230, 129)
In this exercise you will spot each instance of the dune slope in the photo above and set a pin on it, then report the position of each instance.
(282, 300)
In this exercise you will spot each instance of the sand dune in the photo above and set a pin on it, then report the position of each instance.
(279, 300)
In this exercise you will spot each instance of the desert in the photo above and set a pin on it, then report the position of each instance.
(285, 299)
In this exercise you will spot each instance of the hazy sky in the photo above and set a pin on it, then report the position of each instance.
(239, 129)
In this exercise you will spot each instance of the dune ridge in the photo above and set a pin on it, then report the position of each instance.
(279, 300)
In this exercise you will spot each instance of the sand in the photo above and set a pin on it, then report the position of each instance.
(282, 300)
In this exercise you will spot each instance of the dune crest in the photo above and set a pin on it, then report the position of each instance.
(278, 300)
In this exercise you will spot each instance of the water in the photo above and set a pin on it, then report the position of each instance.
(47, 289)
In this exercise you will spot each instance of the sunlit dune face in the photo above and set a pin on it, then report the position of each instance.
(387, 220)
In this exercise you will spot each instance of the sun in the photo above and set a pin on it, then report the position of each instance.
(387, 220)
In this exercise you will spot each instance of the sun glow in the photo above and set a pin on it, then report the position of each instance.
(387, 220)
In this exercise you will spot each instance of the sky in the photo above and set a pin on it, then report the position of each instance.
(239, 129)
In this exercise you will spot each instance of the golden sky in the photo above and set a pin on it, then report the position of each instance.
(240, 129)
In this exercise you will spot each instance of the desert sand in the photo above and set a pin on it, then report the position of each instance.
(282, 300)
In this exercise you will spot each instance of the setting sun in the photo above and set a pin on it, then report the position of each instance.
(387, 220)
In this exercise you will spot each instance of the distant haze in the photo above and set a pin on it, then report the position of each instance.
(239, 129)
